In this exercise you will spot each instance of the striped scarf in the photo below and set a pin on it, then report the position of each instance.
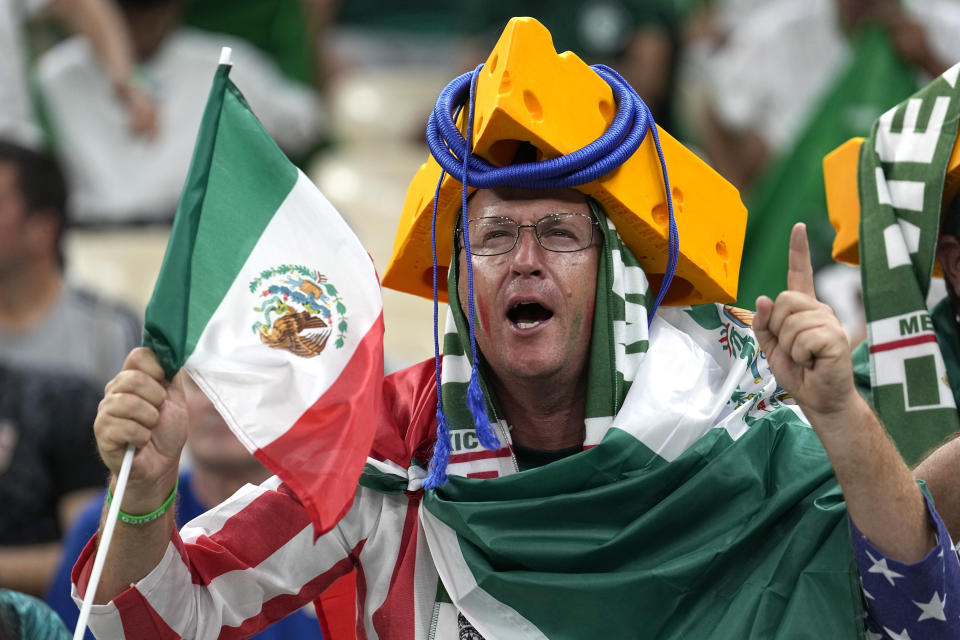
(901, 181)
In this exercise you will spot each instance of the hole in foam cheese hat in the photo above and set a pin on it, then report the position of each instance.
(527, 92)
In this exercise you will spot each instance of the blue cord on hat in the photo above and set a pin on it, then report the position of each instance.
(454, 154)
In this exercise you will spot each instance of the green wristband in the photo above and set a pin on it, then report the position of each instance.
(149, 517)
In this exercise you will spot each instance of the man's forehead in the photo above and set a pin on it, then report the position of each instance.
(503, 200)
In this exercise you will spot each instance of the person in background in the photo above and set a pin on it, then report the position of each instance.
(23, 617)
(220, 466)
(639, 38)
(49, 469)
(46, 323)
(118, 178)
(99, 23)
(793, 80)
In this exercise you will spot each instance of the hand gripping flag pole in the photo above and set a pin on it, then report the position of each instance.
(111, 522)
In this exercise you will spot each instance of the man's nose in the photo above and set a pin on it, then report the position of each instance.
(528, 254)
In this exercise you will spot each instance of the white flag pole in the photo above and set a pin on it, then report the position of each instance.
(104, 543)
(111, 522)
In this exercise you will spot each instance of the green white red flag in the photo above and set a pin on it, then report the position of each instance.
(272, 305)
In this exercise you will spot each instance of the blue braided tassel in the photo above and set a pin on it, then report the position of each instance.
(478, 409)
(437, 472)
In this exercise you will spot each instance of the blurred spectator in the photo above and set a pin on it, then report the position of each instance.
(220, 467)
(46, 323)
(49, 468)
(638, 38)
(793, 80)
(782, 58)
(290, 32)
(119, 178)
(380, 33)
(23, 617)
(100, 22)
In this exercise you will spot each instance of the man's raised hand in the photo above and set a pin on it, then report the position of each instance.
(804, 342)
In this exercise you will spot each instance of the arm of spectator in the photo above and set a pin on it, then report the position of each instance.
(939, 471)
(292, 114)
(140, 408)
(28, 568)
(915, 600)
(808, 352)
(320, 16)
(244, 563)
(739, 156)
(910, 40)
(102, 24)
(647, 65)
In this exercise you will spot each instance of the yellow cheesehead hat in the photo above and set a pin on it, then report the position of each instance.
(527, 93)
(843, 199)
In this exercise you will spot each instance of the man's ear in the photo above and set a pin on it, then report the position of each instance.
(948, 255)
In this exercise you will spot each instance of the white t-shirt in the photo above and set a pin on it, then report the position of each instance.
(781, 58)
(16, 108)
(116, 176)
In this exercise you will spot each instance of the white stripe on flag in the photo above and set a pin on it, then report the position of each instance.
(492, 618)
(261, 390)
(679, 394)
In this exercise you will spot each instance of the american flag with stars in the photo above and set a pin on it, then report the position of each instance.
(919, 601)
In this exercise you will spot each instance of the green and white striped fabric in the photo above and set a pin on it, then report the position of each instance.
(901, 176)
(702, 506)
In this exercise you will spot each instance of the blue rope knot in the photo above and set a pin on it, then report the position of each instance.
(454, 153)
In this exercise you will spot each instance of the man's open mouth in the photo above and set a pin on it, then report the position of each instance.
(527, 315)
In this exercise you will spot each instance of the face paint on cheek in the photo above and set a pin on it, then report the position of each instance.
(483, 314)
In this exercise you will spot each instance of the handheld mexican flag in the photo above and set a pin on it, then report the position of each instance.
(271, 304)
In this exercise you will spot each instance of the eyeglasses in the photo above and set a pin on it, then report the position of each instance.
(561, 232)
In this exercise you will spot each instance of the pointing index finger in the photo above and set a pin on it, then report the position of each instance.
(800, 273)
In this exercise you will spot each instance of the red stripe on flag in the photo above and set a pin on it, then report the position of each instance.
(280, 606)
(337, 609)
(904, 342)
(322, 455)
(483, 454)
(244, 534)
(396, 616)
(483, 475)
(361, 603)
(139, 619)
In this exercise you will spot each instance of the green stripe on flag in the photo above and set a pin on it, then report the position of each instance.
(210, 241)
(726, 542)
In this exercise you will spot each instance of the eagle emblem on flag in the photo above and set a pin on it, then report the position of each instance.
(298, 311)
